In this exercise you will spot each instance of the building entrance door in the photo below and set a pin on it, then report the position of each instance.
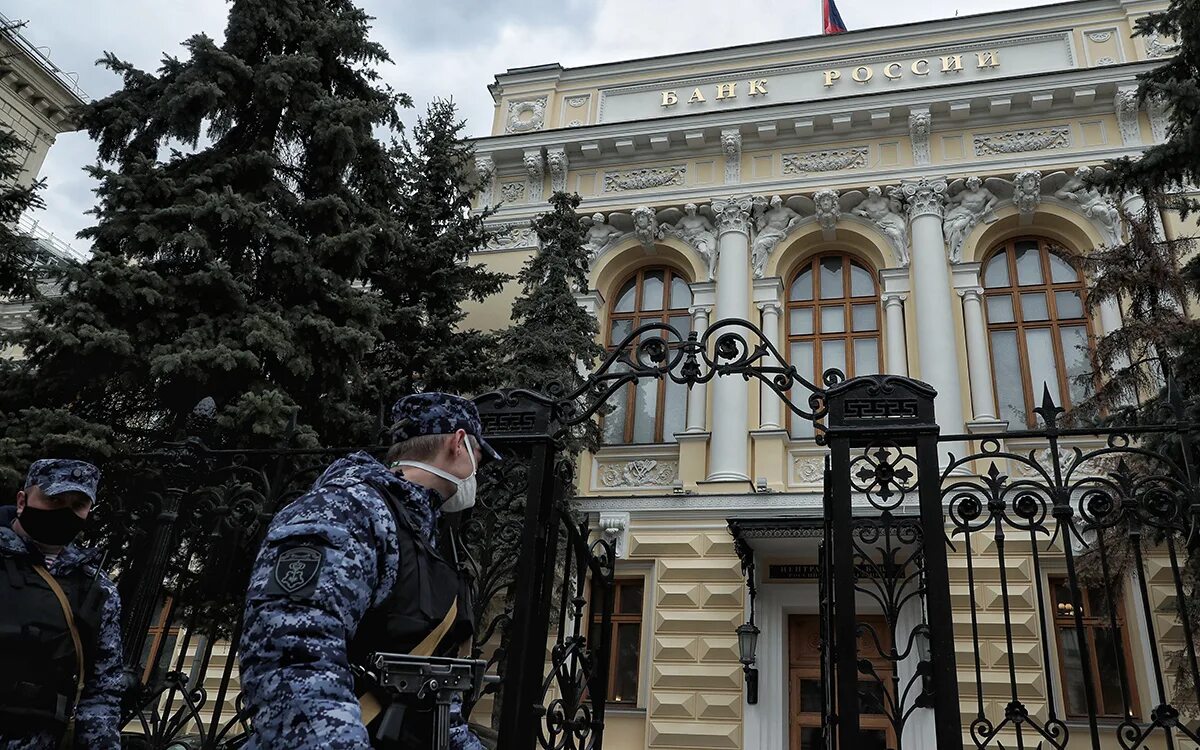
(805, 692)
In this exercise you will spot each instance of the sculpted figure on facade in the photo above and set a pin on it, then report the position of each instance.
(600, 235)
(1027, 191)
(773, 225)
(645, 226)
(828, 209)
(885, 214)
(968, 206)
(696, 230)
(1094, 205)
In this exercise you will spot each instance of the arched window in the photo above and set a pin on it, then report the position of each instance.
(1037, 327)
(653, 410)
(833, 321)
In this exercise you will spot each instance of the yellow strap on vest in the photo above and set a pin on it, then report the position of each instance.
(368, 704)
(68, 738)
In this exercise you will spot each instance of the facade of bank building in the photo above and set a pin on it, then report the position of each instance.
(898, 200)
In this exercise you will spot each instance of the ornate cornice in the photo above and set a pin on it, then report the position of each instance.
(925, 197)
(557, 159)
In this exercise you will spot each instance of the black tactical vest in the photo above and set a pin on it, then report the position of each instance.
(38, 678)
(427, 584)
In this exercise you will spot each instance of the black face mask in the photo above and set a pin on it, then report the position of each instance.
(53, 527)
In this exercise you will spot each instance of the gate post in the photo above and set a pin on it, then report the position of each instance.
(521, 423)
(873, 423)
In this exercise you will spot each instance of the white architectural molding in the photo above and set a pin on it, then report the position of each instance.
(774, 222)
(828, 160)
(1054, 138)
(730, 459)
(769, 299)
(703, 298)
(535, 171)
(1128, 115)
(829, 211)
(485, 167)
(1160, 118)
(731, 145)
(614, 527)
(557, 159)
(526, 115)
(644, 179)
(894, 289)
(1027, 194)
(511, 235)
(512, 192)
(979, 361)
(920, 125)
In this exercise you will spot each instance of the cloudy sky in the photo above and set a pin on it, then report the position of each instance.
(440, 48)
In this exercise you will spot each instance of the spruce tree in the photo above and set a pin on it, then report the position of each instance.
(242, 194)
(551, 335)
(1176, 85)
(425, 276)
(20, 264)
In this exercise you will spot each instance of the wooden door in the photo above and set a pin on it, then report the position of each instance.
(806, 693)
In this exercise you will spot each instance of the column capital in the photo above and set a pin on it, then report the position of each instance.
(770, 306)
(892, 299)
(971, 293)
(925, 197)
(732, 214)
(699, 310)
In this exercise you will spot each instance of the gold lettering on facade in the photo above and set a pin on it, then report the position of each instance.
(863, 73)
(951, 63)
(918, 70)
(988, 59)
(669, 98)
(758, 86)
(696, 97)
(726, 91)
(831, 76)
(892, 70)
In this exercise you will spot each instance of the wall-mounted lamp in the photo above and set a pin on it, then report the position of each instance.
(747, 634)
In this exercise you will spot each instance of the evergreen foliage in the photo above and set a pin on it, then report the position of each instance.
(425, 275)
(551, 335)
(242, 195)
(1175, 84)
(19, 260)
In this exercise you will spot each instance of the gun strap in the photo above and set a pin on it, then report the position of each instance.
(368, 704)
(68, 738)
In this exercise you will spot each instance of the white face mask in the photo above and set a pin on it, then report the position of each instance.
(464, 496)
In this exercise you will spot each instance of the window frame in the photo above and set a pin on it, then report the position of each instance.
(1092, 622)
(663, 316)
(162, 632)
(1053, 323)
(847, 301)
(618, 618)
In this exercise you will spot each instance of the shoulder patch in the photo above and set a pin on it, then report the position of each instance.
(297, 570)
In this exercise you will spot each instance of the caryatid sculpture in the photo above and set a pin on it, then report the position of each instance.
(773, 225)
(1093, 203)
(695, 229)
(600, 235)
(971, 205)
(884, 213)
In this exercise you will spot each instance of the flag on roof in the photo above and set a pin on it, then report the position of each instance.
(831, 20)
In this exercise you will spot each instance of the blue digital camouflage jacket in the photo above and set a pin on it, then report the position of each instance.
(296, 677)
(98, 715)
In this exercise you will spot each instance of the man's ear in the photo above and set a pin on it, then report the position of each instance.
(22, 499)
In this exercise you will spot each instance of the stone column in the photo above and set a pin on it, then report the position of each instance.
(933, 301)
(768, 298)
(895, 286)
(697, 402)
(979, 364)
(729, 461)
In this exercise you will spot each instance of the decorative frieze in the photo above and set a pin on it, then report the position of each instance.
(1099, 37)
(511, 236)
(526, 116)
(1022, 141)
(557, 159)
(535, 169)
(644, 179)
(642, 472)
(920, 123)
(1160, 120)
(809, 469)
(512, 192)
(576, 102)
(731, 145)
(1156, 47)
(830, 160)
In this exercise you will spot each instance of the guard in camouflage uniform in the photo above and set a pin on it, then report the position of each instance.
(43, 702)
(356, 566)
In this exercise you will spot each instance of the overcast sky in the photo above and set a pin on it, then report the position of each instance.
(439, 48)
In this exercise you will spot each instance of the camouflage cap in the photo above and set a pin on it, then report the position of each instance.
(55, 476)
(438, 414)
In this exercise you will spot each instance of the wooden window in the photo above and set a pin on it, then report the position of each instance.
(653, 409)
(625, 655)
(1037, 326)
(161, 637)
(833, 321)
(1107, 648)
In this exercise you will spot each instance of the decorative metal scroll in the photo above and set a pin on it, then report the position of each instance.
(1097, 508)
